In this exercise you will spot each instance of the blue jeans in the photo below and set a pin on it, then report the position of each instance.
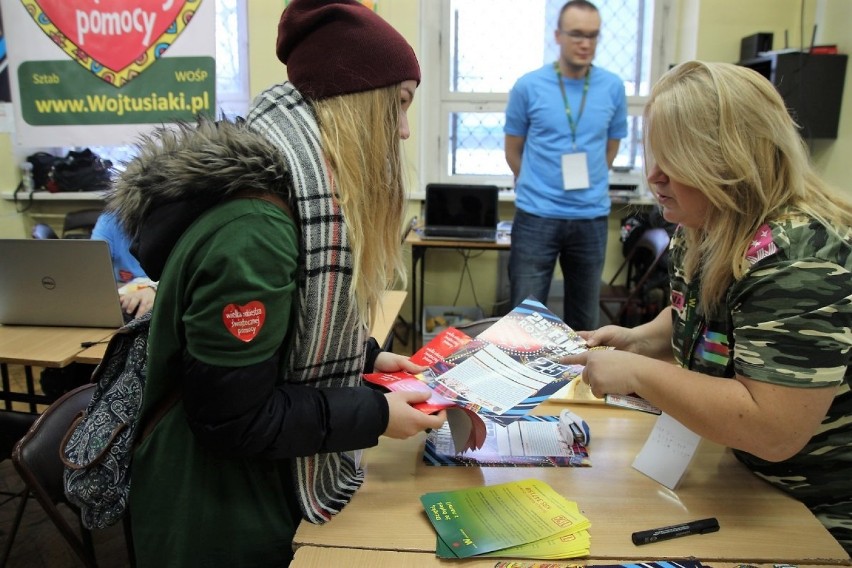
(580, 247)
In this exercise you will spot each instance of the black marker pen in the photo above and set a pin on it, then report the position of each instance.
(703, 526)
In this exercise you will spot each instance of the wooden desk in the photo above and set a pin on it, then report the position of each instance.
(42, 347)
(388, 310)
(94, 354)
(382, 328)
(317, 557)
(758, 522)
(419, 246)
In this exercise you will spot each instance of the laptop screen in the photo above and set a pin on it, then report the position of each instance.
(463, 206)
(65, 282)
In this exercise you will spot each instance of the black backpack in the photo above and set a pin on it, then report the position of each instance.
(80, 171)
(42, 163)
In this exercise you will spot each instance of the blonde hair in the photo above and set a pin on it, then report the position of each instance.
(725, 130)
(360, 135)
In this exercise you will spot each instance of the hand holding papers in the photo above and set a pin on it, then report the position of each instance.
(577, 392)
(468, 429)
(501, 375)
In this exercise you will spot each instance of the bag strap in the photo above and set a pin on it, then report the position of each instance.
(272, 198)
(158, 414)
(146, 428)
(15, 199)
(67, 437)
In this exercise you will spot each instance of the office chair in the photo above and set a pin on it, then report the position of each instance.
(36, 459)
(43, 231)
(79, 224)
(629, 293)
(13, 426)
(474, 328)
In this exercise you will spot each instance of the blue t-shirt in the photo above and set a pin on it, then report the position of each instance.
(536, 111)
(124, 265)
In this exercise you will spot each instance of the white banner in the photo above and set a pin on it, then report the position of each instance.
(99, 72)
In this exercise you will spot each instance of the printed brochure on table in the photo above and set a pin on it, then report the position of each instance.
(531, 441)
(500, 375)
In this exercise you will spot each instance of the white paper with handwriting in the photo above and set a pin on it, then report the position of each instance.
(667, 451)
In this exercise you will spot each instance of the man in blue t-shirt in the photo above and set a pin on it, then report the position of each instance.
(564, 122)
(136, 290)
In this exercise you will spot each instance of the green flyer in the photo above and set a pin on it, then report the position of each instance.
(479, 520)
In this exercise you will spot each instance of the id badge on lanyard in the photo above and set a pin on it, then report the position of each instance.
(575, 171)
(575, 165)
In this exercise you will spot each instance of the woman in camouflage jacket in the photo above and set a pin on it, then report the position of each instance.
(761, 297)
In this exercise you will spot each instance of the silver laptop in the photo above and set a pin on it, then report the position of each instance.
(460, 212)
(61, 282)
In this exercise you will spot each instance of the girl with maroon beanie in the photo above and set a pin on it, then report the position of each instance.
(272, 240)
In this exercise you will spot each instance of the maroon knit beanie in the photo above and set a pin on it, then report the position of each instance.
(337, 47)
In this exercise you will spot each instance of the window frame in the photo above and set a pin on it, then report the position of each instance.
(239, 97)
(438, 102)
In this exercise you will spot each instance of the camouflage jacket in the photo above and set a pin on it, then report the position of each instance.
(787, 321)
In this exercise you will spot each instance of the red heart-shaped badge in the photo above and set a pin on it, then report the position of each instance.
(113, 35)
(244, 322)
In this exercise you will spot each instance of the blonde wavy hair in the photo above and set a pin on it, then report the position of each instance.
(360, 135)
(725, 130)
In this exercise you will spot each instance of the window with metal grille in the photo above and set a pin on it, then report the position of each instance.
(473, 51)
(232, 84)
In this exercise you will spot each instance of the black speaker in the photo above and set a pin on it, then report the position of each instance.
(811, 86)
(752, 45)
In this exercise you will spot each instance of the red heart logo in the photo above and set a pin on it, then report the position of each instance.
(108, 38)
(244, 322)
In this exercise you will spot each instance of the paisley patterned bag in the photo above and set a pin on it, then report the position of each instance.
(99, 444)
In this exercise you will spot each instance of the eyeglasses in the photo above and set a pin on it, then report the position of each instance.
(577, 36)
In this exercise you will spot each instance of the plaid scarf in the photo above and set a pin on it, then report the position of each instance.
(327, 349)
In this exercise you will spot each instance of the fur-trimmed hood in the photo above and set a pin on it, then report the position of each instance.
(181, 171)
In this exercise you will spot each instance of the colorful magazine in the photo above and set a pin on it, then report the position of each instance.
(500, 375)
(511, 367)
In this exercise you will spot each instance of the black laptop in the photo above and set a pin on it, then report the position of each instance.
(461, 212)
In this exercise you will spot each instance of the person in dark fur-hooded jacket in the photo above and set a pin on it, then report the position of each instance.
(272, 241)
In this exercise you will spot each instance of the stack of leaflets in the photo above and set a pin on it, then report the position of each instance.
(520, 519)
(644, 564)
(533, 441)
(500, 375)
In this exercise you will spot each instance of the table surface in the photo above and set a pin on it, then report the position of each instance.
(44, 346)
(413, 238)
(323, 557)
(758, 522)
(386, 314)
